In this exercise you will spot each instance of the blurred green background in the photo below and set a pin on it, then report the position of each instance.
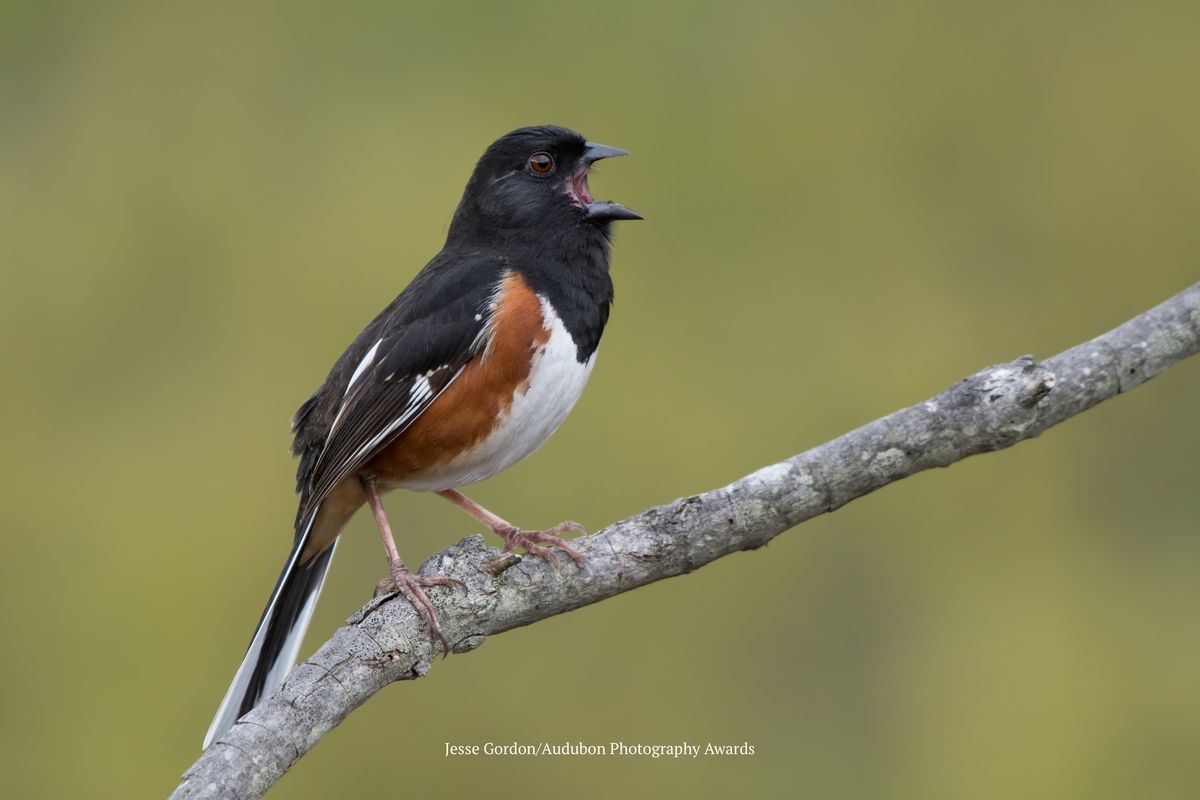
(849, 206)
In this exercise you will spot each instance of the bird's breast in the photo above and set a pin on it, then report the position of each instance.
(536, 408)
(502, 407)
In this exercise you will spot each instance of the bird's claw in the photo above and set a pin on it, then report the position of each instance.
(413, 588)
(534, 542)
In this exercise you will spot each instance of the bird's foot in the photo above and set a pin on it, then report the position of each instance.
(413, 588)
(535, 542)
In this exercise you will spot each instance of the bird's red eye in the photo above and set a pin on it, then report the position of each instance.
(541, 163)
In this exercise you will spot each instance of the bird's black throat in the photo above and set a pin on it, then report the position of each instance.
(571, 272)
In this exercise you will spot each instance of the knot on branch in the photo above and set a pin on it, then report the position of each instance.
(998, 405)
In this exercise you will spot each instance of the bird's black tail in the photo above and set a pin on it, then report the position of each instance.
(277, 638)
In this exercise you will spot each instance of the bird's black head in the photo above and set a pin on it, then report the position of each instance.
(535, 179)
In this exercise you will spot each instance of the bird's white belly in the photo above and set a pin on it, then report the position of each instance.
(556, 379)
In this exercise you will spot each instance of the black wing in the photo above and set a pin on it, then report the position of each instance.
(396, 367)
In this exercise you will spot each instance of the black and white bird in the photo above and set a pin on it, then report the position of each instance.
(465, 373)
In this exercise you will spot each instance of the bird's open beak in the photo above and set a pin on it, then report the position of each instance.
(595, 152)
(603, 209)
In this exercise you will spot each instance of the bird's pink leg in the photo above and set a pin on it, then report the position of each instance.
(531, 541)
(411, 586)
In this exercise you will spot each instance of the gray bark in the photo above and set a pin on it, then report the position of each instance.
(385, 641)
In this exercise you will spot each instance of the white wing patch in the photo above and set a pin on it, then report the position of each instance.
(362, 367)
(419, 396)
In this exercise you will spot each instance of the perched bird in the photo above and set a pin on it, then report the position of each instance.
(465, 373)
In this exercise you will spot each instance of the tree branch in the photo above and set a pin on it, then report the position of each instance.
(385, 641)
